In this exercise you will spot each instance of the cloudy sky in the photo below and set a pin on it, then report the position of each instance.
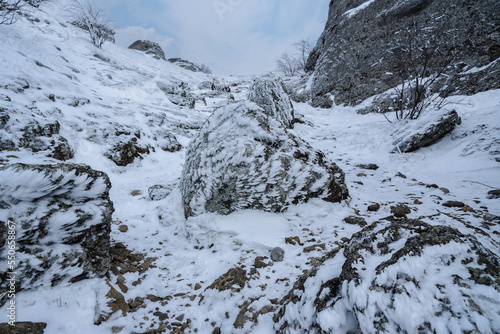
(231, 36)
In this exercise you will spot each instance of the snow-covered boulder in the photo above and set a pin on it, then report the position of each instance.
(149, 48)
(425, 131)
(59, 219)
(404, 276)
(243, 158)
(269, 94)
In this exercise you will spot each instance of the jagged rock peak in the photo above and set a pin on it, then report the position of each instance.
(149, 48)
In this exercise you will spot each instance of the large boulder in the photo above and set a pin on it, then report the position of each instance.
(352, 58)
(149, 48)
(403, 276)
(245, 159)
(423, 133)
(185, 64)
(269, 94)
(59, 218)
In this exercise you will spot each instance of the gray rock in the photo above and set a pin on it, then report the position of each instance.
(371, 279)
(351, 60)
(429, 134)
(355, 220)
(149, 48)
(185, 64)
(159, 192)
(62, 151)
(494, 194)
(277, 254)
(23, 328)
(269, 94)
(243, 158)
(124, 153)
(62, 216)
(453, 204)
(178, 93)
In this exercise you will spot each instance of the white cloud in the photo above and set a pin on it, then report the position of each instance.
(231, 36)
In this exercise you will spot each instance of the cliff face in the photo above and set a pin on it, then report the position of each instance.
(356, 55)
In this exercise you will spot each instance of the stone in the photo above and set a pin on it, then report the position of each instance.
(178, 93)
(234, 279)
(23, 327)
(185, 64)
(453, 204)
(62, 215)
(149, 48)
(400, 210)
(259, 262)
(374, 207)
(494, 194)
(268, 93)
(159, 192)
(244, 159)
(355, 220)
(125, 153)
(277, 254)
(352, 58)
(427, 135)
(364, 283)
(368, 166)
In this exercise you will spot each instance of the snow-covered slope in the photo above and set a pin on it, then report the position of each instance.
(171, 271)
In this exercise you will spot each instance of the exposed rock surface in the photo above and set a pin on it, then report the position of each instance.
(428, 134)
(448, 280)
(23, 328)
(178, 93)
(149, 48)
(243, 158)
(123, 154)
(350, 60)
(269, 94)
(185, 64)
(159, 192)
(62, 217)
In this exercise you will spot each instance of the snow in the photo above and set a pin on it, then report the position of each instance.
(124, 95)
(351, 12)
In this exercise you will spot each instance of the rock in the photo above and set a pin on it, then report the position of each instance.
(116, 303)
(149, 48)
(159, 192)
(368, 166)
(244, 159)
(62, 215)
(187, 65)
(293, 240)
(400, 210)
(268, 93)
(345, 68)
(388, 266)
(23, 328)
(494, 194)
(234, 280)
(259, 262)
(123, 228)
(355, 220)
(444, 190)
(428, 133)
(374, 207)
(298, 89)
(62, 151)
(453, 204)
(178, 93)
(277, 254)
(124, 153)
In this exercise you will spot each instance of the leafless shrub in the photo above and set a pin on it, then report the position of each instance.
(90, 18)
(293, 64)
(8, 10)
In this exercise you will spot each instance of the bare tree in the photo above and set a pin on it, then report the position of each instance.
(419, 63)
(205, 69)
(293, 64)
(8, 10)
(90, 18)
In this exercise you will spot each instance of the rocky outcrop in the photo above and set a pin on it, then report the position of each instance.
(149, 48)
(61, 215)
(185, 64)
(36, 136)
(23, 328)
(269, 94)
(178, 93)
(427, 134)
(449, 281)
(124, 153)
(243, 158)
(353, 57)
